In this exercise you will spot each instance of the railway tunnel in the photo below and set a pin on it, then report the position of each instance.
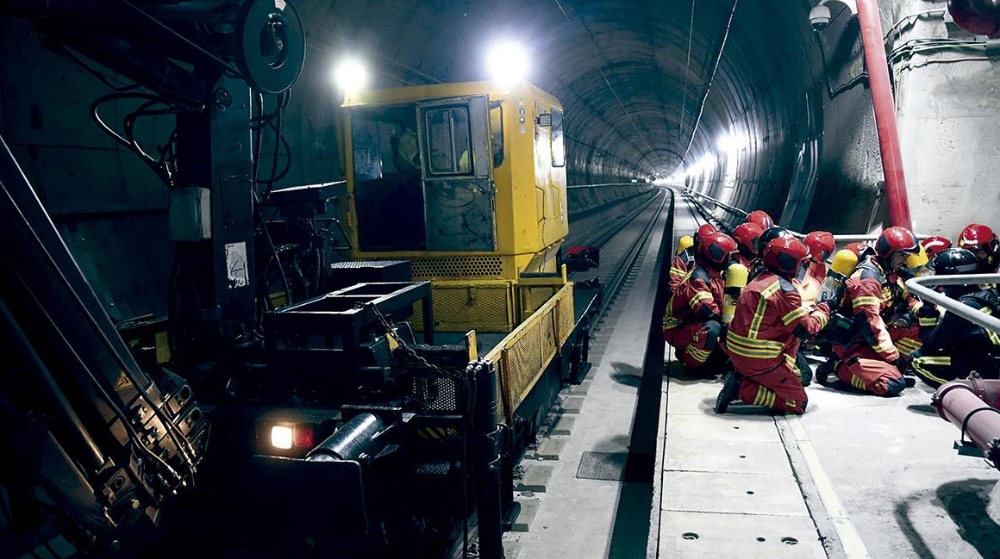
(759, 104)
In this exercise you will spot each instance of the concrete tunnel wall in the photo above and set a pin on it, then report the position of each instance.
(632, 81)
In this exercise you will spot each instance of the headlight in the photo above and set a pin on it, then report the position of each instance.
(281, 437)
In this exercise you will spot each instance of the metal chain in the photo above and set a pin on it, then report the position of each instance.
(390, 331)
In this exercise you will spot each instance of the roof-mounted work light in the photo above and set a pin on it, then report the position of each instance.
(350, 75)
(508, 62)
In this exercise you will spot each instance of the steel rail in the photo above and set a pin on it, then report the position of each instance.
(628, 261)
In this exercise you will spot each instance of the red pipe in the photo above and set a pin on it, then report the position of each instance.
(885, 112)
(971, 405)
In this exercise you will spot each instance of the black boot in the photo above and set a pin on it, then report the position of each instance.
(825, 369)
(805, 370)
(730, 389)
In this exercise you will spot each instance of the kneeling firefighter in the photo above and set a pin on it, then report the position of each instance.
(870, 361)
(692, 319)
(954, 347)
(768, 325)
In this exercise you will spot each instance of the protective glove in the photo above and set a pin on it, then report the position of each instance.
(904, 320)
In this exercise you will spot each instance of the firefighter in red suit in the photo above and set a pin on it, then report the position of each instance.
(746, 236)
(874, 294)
(767, 327)
(692, 319)
(683, 261)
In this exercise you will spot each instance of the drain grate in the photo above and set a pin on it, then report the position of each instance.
(608, 466)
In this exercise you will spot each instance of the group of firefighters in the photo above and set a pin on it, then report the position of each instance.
(745, 305)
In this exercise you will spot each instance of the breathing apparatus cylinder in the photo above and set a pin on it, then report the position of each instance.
(684, 243)
(736, 280)
(844, 263)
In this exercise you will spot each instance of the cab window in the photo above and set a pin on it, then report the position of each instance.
(558, 144)
(448, 141)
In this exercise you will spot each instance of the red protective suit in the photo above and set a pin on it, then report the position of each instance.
(691, 320)
(869, 363)
(764, 338)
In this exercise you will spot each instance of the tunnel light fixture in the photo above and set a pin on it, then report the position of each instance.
(727, 143)
(703, 165)
(507, 62)
(351, 74)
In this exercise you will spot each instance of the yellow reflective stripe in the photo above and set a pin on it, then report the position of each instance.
(669, 320)
(753, 348)
(862, 301)
(697, 354)
(761, 396)
(794, 315)
(823, 319)
(929, 321)
(765, 397)
(856, 382)
(771, 289)
(751, 353)
(919, 363)
(758, 316)
(943, 360)
(994, 338)
(699, 296)
(677, 272)
(754, 343)
(791, 362)
(883, 347)
(908, 344)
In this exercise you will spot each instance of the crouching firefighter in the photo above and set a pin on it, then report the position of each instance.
(954, 347)
(768, 325)
(870, 361)
(692, 319)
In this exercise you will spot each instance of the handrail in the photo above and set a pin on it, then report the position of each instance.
(919, 287)
(727, 207)
(840, 238)
(572, 186)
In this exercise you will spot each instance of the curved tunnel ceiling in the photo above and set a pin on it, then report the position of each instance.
(648, 86)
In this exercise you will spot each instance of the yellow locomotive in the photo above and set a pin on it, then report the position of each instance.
(467, 182)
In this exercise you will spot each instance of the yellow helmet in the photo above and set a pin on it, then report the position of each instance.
(684, 243)
(917, 259)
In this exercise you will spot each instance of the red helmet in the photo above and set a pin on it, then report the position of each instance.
(982, 241)
(703, 232)
(820, 244)
(746, 235)
(894, 239)
(717, 248)
(784, 254)
(934, 245)
(761, 218)
(861, 249)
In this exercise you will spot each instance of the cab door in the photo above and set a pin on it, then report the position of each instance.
(457, 167)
